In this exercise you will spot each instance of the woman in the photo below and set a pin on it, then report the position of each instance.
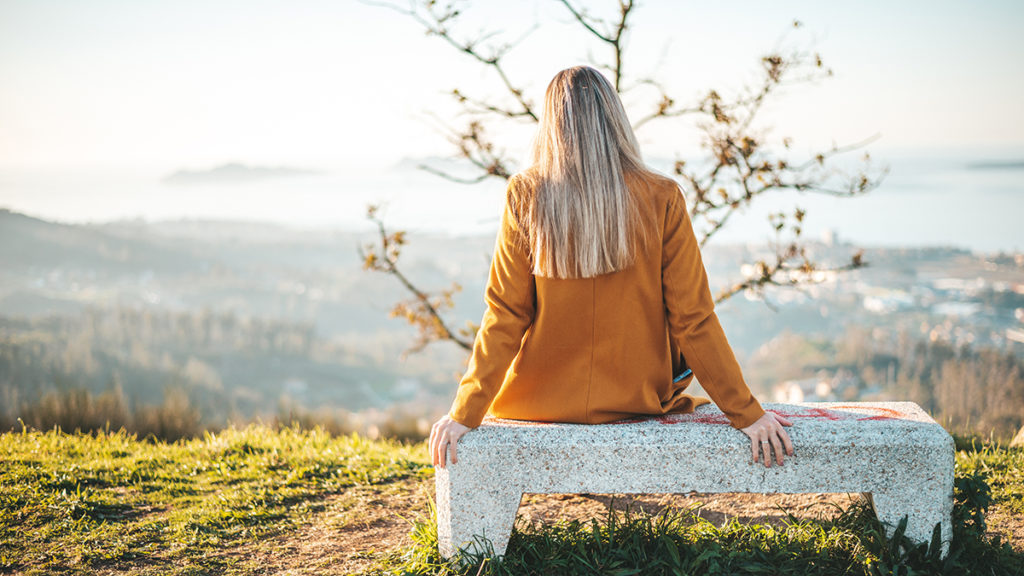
(598, 304)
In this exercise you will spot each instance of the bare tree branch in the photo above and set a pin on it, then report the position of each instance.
(423, 310)
(436, 21)
(448, 176)
(666, 106)
(473, 105)
(615, 39)
(770, 275)
(741, 166)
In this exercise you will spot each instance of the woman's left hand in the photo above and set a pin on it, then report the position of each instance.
(446, 432)
(767, 435)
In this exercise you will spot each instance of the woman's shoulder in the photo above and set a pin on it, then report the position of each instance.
(651, 184)
(520, 190)
(519, 194)
(656, 187)
(523, 184)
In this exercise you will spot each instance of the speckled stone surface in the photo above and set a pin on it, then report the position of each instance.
(1018, 440)
(892, 451)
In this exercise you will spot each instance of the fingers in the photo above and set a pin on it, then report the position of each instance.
(433, 443)
(439, 443)
(787, 442)
(780, 440)
(767, 435)
(439, 451)
(444, 435)
(777, 446)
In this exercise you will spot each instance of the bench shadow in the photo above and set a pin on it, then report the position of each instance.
(717, 508)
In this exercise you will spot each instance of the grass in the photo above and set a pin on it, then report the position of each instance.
(112, 504)
(681, 542)
(678, 542)
(74, 504)
(1004, 470)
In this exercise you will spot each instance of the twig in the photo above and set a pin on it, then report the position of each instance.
(423, 311)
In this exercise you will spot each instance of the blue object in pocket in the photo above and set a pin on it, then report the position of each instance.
(684, 374)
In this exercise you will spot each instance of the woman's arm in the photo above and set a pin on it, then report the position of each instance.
(511, 305)
(693, 324)
(695, 329)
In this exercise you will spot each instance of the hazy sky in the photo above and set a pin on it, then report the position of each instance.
(183, 83)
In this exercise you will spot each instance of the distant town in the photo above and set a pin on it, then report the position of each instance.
(251, 320)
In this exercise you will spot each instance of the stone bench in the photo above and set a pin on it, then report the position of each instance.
(892, 452)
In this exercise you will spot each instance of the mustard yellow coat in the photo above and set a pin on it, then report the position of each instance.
(600, 349)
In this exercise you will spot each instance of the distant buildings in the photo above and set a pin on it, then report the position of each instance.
(823, 387)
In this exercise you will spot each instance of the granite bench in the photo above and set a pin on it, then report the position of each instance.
(891, 452)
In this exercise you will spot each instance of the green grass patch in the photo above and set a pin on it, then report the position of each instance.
(1003, 469)
(72, 503)
(110, 503)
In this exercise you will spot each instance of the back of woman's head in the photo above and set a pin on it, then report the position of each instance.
(582, 219)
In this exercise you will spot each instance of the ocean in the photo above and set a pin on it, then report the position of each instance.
(938, 199)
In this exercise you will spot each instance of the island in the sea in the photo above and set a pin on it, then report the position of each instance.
(234, 172)
(997, 165)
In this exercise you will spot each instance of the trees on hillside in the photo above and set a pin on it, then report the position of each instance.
(741, 163)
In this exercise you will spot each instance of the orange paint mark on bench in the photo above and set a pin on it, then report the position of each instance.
(811, 413)
(884, 413)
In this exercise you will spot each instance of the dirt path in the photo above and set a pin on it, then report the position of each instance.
(362, 525)
(345, 536)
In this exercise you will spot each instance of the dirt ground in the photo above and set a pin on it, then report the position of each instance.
(716, 508)
(347, 535)
(359, 527)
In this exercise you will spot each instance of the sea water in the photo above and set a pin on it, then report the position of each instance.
(925, 199)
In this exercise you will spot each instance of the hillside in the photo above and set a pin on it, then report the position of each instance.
(28, 243)
(250, 320)
(265, 501)
(246, 320)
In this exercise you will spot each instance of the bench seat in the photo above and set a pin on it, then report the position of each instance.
(892, 452)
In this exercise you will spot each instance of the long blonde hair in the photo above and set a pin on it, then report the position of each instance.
(582, 219)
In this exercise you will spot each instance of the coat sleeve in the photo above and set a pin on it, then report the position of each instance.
(511, 305)
(693, 324)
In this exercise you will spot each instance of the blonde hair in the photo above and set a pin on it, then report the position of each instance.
(582, 219)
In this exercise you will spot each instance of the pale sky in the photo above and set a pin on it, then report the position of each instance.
(112, 84)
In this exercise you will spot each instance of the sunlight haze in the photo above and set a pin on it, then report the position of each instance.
(119, 84)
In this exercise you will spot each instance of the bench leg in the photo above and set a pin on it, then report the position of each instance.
(923, 508)
(485, 511)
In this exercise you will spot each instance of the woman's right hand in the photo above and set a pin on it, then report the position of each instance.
(767, 434)
(445, 434)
